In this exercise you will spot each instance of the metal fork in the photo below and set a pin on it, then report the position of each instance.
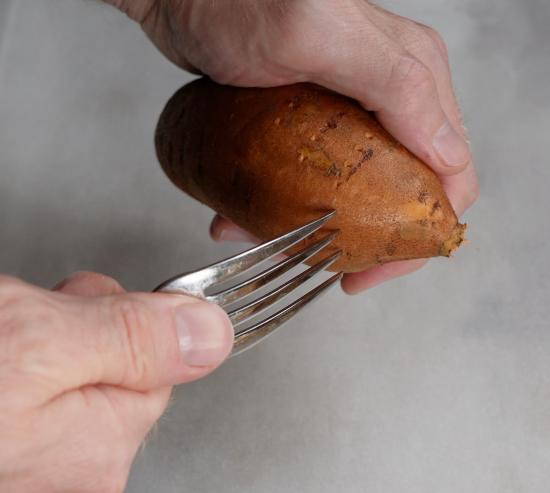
(197, 282)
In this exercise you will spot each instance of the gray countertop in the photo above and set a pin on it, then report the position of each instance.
(437, 382)
(4, 13)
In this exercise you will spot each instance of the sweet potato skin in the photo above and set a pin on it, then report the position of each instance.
(271, 160)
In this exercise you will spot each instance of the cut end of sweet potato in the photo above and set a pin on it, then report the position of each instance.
(454, 241)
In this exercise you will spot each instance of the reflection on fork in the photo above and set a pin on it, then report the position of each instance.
(197, 282)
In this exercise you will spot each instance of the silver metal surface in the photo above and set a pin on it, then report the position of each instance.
(257, 333)
(195, 283)
(242, 314)
(241, 290)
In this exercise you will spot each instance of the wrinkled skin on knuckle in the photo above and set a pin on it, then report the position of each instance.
(263, 51)
(410, 81)
(435, 44)
(291, 53)
(193, 35)
(316, 38)
(421, 41)
(278, 41)
(162, 24)
(134, 324)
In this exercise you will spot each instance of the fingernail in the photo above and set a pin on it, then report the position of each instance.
(205, 334)
(451, 148)
(237, 236)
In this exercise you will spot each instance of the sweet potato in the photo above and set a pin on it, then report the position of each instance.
(273, 159)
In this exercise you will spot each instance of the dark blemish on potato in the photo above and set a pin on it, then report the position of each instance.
(423, 197)
(332, 123)
(390, 249)
(423, 222)
(320, 160)
(436, 206)
(353, 171)
(378, 260)
(333, 171)
(348, 254)
(366, 155)
(434, 224)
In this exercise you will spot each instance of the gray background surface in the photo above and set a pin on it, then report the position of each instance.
(4, 14)
(437, 382)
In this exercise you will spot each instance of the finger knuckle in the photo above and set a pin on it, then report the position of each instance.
(435, 43)
(424, 42)
(413, 79)
(134, 321)
(302, 33)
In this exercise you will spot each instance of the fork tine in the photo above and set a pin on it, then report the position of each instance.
(253, 335)
(257, 306)
(229, 268)
(249, 286)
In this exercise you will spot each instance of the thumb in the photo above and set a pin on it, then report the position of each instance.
(139, 341)
(144, 341)
(197, 349)
(399, 70)
(405, 100)
(412, 112)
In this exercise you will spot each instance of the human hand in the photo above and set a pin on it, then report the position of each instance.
(392, 66)
(86, 370)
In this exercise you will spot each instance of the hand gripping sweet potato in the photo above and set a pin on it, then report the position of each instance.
(271, 160)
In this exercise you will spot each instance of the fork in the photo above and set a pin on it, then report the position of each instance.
(197, 282)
